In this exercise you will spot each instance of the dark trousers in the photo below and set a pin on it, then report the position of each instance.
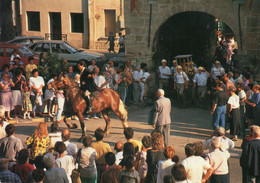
(165, 130)
(100, 169)
(234, 121)
(219, 178)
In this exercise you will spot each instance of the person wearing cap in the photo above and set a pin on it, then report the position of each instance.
(233, 112)
(217, 70)
(200, 80)
(162, 119)
(164, 75)
(53, 173)
(137, 76)
(180, 82)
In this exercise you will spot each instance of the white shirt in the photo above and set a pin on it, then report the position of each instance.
(48, 93)
(91, 68)
(54, 137)
(233, 101)
(242, 96)
(165, 70)
(119, 157)
(217, 72)
(67, 163)
(145, 76)
(101, 80)
(164, 168)
(201, 79)
(72, 148)
(226, 144)
(195, 166)
(137, 75)
(37, 82)
(179, 77)
(218, 160)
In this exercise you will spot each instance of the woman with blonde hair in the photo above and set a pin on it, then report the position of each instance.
(154, 155)
(38, 142)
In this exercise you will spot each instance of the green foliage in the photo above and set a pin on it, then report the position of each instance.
(55, 66)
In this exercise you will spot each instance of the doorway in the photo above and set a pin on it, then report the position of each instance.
(110, 22)
(55, 26)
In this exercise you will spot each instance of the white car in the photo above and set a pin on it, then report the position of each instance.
(66, 51)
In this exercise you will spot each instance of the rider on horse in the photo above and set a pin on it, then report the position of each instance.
(87, 83)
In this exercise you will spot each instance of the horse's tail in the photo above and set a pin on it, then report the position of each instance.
(122, 110)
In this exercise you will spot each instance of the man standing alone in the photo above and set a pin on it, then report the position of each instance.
(162, 118)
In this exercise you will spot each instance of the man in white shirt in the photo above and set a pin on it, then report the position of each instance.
(71, 147)
(137, 77)
(180, 82)
(217, 70)
(200, 80)
(36, 83)
(119, 152)
(102, 82)
(195, 165)
(164, 75)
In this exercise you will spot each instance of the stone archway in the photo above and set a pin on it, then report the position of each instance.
(189, 32)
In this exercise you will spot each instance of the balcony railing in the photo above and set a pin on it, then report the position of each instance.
(49, 36)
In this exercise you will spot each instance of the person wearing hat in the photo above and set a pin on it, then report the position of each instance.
(233, 112)
(217, 70)
(200, 80)
(53, 173)
(164, 75)
(180, 82)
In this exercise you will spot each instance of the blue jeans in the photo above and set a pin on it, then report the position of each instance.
(219, 116)
(60, 107)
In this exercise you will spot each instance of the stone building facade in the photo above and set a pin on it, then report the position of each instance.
(83, 23)
(247, 34)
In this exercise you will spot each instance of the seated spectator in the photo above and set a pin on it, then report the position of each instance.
(179, 174)
(86, 159)
(10, 145)
(165, 166)
(127, 151)
(119, 152)
(5, 174)
(129, 174)
(111, 174)
(38, 176)
(218, 159)
(226, 143)
(53, 173)
(154, 155)
(22, 168)
(195, 165)
(168, 179)
(101, 148)
(64, 161)
(129, 133)
(141, 166)
(72, 148)
(38, 142)
(55, 135)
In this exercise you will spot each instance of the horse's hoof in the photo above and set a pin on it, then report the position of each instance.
(81, 138)
(74, 126)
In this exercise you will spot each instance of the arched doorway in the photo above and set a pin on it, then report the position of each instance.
(190, 32)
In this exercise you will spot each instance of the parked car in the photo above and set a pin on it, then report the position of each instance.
(66, 51)
(26, 40)
(6, 50)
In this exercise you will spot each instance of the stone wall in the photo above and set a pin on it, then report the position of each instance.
(137, 23)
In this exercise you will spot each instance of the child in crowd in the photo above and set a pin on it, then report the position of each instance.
(27, 105)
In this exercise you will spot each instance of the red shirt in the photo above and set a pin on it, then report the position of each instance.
(22, 170)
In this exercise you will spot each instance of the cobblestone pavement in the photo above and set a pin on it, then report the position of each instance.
(188, 125)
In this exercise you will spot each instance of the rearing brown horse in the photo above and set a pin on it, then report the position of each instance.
(106, 100)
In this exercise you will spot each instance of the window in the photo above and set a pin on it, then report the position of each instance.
(58, 48)
(77, 23)
(42, 47)
(9, 51)
(1, 52)
(33, 19)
